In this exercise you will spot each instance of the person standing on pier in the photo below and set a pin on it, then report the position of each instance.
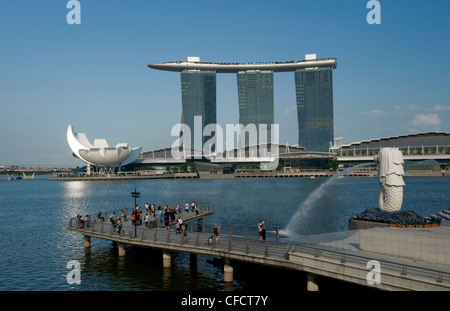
(152, 208)
(166, 220)
(87, 219)
(177, 227)
(112, 218)
(146, 220)
(216, 230)
(119, 225)
(125, 214)
(100, 217)
(197, 209)
(161, 215)
(262, 230)
(184, 231)
(172, 214)
(133, 217)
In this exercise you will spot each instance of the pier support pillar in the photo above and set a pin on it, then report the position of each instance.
(312, 283)
(87, 241)
(121, 249)
(227, 272)
(167, 259)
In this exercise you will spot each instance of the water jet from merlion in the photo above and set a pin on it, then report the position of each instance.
(313, 201)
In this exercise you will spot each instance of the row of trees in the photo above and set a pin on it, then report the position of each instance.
(183, 168)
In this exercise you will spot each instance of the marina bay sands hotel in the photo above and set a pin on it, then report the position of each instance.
(313, 86)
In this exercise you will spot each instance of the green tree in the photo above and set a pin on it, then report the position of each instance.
(183, 167)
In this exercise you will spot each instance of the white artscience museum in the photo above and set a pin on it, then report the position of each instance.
(100, 155)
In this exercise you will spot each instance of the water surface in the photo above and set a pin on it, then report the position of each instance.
(36, 247)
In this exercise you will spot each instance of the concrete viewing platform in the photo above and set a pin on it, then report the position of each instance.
(399, 258)
(409, 258)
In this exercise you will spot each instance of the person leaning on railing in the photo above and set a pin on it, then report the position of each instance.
(262, 230)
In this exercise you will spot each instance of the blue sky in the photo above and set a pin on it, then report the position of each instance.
(392, 78)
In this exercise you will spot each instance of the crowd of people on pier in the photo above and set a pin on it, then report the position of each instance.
(83, 222)
(166, 216)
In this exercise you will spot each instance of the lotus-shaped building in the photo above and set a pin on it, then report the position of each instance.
(100, 154)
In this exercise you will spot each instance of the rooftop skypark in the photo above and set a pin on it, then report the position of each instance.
(194, 63)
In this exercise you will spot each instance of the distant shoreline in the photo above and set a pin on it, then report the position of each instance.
(308, 175)
(68, 176)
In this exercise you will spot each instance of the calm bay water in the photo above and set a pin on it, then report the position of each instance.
(35, 247)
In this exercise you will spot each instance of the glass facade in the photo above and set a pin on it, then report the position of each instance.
(255, 94)
(314, 91)
(198, 98)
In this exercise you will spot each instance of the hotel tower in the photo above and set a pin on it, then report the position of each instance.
(313, 87)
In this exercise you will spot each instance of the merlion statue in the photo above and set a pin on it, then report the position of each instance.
(390, 172)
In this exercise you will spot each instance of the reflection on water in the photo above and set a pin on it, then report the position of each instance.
(75, 189)
(36, 212)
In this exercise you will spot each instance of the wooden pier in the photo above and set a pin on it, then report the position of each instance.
(334, 260)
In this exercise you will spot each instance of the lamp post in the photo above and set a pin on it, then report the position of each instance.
(135, 195)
